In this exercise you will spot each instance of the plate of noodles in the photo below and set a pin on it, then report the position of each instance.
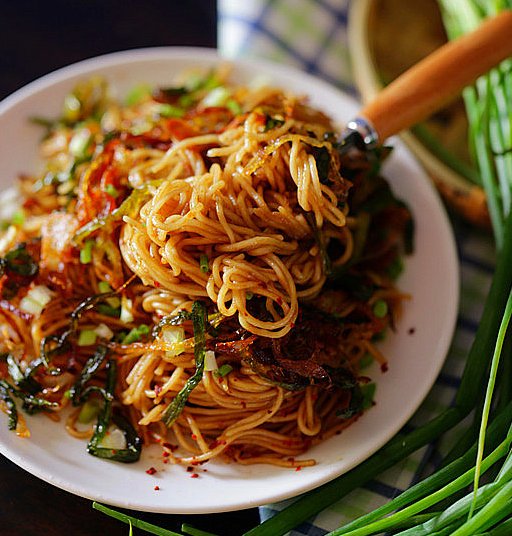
(204, 305)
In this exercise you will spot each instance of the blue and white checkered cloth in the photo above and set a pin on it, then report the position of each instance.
(312, 36)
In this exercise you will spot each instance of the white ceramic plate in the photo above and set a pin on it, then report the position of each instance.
(416, 351)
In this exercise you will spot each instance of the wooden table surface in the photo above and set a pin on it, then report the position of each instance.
(35, 38)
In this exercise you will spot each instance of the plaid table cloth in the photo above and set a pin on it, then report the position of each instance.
(312, 36)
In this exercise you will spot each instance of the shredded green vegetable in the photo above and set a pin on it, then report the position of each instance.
(199, 319)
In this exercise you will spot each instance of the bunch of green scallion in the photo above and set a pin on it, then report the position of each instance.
(471, 493)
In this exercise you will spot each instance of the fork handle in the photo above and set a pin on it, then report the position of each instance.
(440, 77)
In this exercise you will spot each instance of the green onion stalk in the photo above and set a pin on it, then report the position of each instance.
(441, 504)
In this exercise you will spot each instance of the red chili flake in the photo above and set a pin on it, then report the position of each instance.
(298, 468)
(151, 471)
(193, 436)
(194, 475)
(156, 488)
(384, 367)
(165, 453)
(172, 448)
(156, 284)
(411, 331)
(292, 325)
(190, 469)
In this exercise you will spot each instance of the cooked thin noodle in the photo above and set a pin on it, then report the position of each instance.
(173, 200)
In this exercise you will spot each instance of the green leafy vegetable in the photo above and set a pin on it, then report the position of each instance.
(78, 392)
(19, 261)
(12, 412)
(30, 403)
(173, 410)
(131, 452)
(23, 381)
(171, 320)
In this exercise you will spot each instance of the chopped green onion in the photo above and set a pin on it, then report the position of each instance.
(174, 337)
(210, 363)
(186, 100)
(173, 334)
(72, 107)
(168, 110)
(135, 334)
(137, 94)
(380, 308)
(113, 301)
(217, 97)
(18, 218)
(113, 439)
(204, 264)
(368, 392)
(41, 294)
(111, 190)
(104, 287)
(198, 81)
(89, 411)
(36, 300)
(223, 370)
(233, 106)
(87, 337)
(103, 331)
(80, 142)
(126, 310)
(249, 296)
(86, 252)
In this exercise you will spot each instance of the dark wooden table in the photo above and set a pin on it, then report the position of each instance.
(35, 38)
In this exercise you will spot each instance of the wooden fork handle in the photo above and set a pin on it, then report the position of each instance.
(440, 77)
